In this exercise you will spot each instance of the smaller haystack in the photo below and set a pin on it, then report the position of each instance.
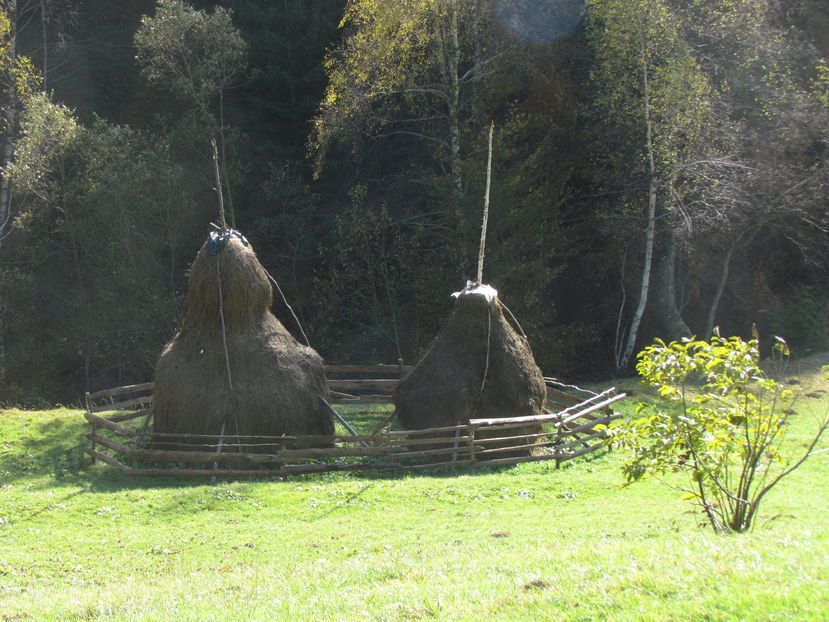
(478, 366)
(233, 368)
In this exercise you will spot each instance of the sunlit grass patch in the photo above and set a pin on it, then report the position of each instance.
(528, 542)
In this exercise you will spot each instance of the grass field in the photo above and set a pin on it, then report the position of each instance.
(531, 542)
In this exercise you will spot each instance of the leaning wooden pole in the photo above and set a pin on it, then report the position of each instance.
(222, 221)
(486, 208)
(339, 418)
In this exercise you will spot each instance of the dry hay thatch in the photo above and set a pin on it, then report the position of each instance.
(447, 385)
(276, 382)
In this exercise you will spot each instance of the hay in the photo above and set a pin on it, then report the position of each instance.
(445, 387)
(276, 381)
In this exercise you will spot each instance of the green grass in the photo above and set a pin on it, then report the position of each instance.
(527, 543)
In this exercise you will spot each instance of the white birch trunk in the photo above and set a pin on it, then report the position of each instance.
(650, 231)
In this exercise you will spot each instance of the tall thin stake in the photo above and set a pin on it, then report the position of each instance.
(218, 185)
(486, 208)
(223, 223)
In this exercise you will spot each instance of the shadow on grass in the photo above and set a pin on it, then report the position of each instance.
(37, 444)
(46, 450)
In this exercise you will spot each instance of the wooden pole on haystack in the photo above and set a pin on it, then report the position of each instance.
(223, 224)
(218, 185)
(482, 248)
(218, 271)
(486, 209)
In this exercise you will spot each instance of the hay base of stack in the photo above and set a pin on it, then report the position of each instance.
(447, 385)
(233, 366)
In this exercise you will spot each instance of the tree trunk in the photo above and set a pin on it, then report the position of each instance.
(650, 230)
(478, 61)
(11, 125)
(454, 102)
(666, 312)
(715, 302)
(81, 293)
(290, 73)
(44, 33)
(6, 153)
(449, 63)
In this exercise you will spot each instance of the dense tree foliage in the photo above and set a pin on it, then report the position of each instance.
(659, 169)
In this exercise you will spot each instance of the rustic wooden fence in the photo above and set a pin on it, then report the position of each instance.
(573, 426)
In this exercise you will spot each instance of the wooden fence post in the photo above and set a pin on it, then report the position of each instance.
(455, 445)
(556, 446)
(93, 428)
(282, 447)
(471, 433)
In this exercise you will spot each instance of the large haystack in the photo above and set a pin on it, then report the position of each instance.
(274, 383)
(447, 385)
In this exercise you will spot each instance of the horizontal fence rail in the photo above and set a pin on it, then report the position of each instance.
(571, 426)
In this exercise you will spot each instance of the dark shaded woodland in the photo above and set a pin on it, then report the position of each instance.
(659, 170)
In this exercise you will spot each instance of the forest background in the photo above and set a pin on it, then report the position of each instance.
(660, 169)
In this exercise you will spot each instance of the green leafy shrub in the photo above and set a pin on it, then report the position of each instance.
(719, 419)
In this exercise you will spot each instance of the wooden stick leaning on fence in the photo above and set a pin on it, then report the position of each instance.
(337, 417)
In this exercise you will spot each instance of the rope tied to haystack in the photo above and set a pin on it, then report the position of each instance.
(445, 387)
(229, 337)
(490, 293)
(273, 383)
(217, 240)
(478, 366)
(215, 243)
